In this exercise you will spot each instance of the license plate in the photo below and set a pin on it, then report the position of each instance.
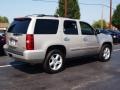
(12, 42)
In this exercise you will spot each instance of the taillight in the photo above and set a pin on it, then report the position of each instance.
(29, 42)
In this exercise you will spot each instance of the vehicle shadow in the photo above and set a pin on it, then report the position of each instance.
(35, 69)
(27, 68)
(2, 53)
(79, 61)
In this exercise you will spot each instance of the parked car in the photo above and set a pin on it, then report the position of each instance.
(114, 33)
(2, 41)
(117, 33)
(50, 39)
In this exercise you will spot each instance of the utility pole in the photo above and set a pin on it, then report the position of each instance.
(110, 23)
(102, 16)
(65, 8)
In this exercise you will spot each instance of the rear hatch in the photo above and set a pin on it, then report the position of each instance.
(16, 35)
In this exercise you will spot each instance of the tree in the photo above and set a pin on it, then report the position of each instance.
(73, 10)
(97, 24)
(3, 19)
(116, 17)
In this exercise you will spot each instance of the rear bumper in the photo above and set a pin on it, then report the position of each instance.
(30, 56)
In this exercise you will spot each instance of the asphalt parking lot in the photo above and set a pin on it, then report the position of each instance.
(80, 74)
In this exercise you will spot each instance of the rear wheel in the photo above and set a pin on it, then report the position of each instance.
(105, 53)
(54, 61)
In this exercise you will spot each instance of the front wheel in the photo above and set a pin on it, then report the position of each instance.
(54, 61)
(105, 53)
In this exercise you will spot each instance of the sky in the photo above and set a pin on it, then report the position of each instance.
(89, 13)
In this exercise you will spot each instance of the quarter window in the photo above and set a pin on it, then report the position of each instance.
(46, 26)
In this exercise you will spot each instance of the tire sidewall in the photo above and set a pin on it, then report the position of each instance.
(46, 61)
(101, 58)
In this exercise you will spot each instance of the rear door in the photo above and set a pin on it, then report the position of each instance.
(91, 43)
(72, 38)
(16, 35)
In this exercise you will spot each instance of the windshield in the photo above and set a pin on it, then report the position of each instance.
(19, 25)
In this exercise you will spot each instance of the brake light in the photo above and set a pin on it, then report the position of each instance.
(29, 42)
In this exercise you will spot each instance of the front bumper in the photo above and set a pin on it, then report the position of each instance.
(30, 56)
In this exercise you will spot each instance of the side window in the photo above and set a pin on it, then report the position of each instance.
(46, 26)
(86, 29)
(70, 27)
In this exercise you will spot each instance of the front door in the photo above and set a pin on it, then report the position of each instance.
(90, 40)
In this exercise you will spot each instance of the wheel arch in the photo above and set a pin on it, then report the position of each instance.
(59, 47)
(107, 43)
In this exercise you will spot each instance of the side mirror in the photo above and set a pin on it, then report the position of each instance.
(97, 31)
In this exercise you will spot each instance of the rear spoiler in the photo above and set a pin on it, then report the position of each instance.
(21, 19)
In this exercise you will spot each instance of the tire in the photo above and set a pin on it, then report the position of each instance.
(105, 53)
(2, 52)
(54, 62)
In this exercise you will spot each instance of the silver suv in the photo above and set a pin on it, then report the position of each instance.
(50, 39)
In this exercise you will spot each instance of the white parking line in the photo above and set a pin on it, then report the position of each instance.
(5, 66)
(83, 85)
(116, 50)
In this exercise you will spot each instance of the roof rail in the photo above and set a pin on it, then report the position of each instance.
(42, 15)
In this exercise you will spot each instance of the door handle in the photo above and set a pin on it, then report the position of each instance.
(66, 39)
(85, 39)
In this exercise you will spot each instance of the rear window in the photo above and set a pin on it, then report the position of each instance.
(46, 26)
(19, 26)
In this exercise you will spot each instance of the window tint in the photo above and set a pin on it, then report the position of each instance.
(70, 27)
(19, 26)
(86, 29)
(46, 26)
